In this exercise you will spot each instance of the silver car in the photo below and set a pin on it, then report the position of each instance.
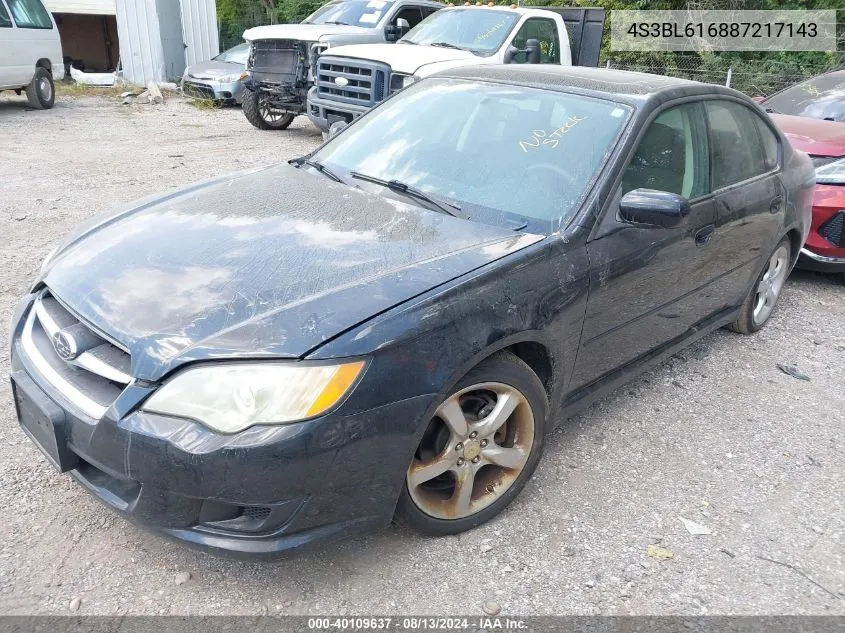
(220, 78)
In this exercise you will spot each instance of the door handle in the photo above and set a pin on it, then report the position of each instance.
(703, 235)
(776, 205)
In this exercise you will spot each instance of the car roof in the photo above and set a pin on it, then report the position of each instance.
(618, 85)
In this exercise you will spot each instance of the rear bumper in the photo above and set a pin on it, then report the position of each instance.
(263, 491)
(324, 112)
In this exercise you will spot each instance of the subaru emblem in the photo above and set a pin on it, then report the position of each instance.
(341, 81)
(65, 346)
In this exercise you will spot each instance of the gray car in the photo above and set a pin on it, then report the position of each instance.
(220, 78)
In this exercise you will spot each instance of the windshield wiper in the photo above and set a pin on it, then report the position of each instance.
(320, 167)
(407, 42)
(448, 45)
(412, 192)
(337, 22)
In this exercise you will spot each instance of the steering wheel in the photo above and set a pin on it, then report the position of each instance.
(542, 171)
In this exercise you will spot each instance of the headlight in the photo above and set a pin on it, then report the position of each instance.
(399, 81)
(831, 173)
(232, 397)
(227, 79)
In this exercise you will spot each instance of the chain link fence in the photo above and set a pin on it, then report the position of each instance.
(751, 76)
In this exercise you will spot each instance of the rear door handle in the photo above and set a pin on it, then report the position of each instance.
(776, 205)
(703, 235)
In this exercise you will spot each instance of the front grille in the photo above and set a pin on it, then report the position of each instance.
(834, 229)
(197, 90)
(256, 513)
(365, 81)
(77, 361)
(274, 61)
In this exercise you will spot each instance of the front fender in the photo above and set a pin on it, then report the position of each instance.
(427, 344)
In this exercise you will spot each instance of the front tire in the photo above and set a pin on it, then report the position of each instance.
(41, 92)
(758, 307)
(261, 115)
(478, 451)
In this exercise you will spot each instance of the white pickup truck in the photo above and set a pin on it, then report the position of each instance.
(351, 79)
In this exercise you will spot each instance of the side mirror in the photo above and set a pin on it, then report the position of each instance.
(393, 32)
(531, 50)
(336, 128)
(654, 208)
(532, 47)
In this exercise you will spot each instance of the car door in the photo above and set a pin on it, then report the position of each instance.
(750, 200)
(12, 72)
(647, 282)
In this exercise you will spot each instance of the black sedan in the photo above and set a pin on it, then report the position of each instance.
(390, 326)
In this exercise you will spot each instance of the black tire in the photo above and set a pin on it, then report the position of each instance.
(747, 323)
(41, 91)
(509, 370)
(252, 107)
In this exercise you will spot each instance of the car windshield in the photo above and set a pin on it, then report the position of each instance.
(479, 30)
(235, 55)
(821, 97)
(505, 155)
(364, 13)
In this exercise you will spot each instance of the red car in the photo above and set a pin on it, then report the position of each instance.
(812, 115)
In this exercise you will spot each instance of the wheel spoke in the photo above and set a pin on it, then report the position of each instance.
(452, 414)
(421, 472)
(503, 456)
(505, 406)
(771, 297)
(462, 497)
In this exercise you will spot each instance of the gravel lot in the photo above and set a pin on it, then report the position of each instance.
(718, 435)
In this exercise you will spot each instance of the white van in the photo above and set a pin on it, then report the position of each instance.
(30, 51)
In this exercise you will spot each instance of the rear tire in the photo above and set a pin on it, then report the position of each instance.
(41, 92)
(485, 440)
(261, 116)
(761, 300)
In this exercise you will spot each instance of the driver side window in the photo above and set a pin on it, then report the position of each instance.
(672, 155)
(538, 29)
(412, 14)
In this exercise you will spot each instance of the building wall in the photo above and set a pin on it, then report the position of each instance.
(199, 25)
(88, 7)
(154, 42)
(91, 39)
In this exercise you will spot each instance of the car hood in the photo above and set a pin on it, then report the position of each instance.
(268, 263)
(403, 58)
(213, 69)
(304, 32)
(814, 136)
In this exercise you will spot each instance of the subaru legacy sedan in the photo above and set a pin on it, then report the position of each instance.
(389, 327)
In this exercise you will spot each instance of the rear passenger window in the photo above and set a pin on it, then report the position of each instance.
(672, 156)
(5, 22)
(30, 14)
(771, 146)
(738, 150)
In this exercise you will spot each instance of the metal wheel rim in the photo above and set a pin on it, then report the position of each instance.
(768, 290)
(45, 89)
(270, 115)
(484, 455)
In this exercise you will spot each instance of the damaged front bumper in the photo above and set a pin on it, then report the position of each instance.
(263, 491)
